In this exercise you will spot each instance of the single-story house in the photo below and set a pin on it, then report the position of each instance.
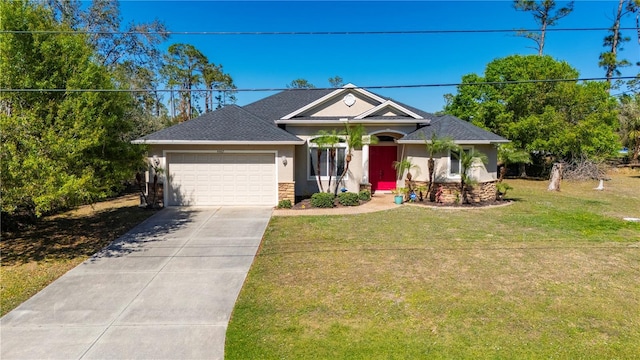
(264, 152)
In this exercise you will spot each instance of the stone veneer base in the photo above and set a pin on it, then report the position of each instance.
(287, 191)
(479, 193)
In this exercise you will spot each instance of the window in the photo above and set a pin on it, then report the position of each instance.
(325, 164)
(455, 166)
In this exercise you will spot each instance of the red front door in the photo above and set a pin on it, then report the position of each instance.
(382, 175)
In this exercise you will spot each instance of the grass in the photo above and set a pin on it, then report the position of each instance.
(34, 257)
(553, 275)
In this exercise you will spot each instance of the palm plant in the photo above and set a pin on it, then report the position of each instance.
(354, 142)
(434, 146)
(508, 154)
(468, 160)
(326, 140)
(402, 166)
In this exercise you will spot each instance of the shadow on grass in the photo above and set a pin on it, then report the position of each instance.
(63, 237)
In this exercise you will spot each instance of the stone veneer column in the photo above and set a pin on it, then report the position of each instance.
(287, 191)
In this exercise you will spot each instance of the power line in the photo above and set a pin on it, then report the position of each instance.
(383, 32)
(411, 86)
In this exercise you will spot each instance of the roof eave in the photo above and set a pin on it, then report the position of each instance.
(459, 142)
(354, 121)
(215, 142)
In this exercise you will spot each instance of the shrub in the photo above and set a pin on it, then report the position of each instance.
(349, 199)
(284, 204)
(501, 189)
(322, 200)
(364, 195)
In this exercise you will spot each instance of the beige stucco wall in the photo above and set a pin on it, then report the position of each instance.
(419, 156)
(337, 108)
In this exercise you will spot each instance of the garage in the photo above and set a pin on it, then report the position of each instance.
(221, 178)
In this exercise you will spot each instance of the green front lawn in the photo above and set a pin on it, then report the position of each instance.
(554, 275)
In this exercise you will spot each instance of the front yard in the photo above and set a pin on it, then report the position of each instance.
(37, 255)
(554, 275)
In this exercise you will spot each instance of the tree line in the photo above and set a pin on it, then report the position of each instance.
(566, 120)
(59, 149)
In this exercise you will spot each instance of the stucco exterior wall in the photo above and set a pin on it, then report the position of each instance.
(340, 109)
(482, 173)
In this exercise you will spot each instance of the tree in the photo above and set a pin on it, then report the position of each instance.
(436, 145)
(507, 155)
(567, 119)
(183, 65)
(215, 79)
(300, 84)
(131, 53)
(543, 16)
(613, 42)
(629, 115)
(336, 81)
(468, 160)
(58, 149)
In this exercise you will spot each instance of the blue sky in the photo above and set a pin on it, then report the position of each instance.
(273, 61)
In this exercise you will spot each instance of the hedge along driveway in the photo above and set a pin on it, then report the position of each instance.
(552, 275)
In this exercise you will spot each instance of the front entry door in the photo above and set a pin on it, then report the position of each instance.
(382, 175)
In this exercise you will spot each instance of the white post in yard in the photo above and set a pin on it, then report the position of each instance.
(600, 186)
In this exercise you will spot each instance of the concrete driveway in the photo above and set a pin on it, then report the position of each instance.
(165, 290)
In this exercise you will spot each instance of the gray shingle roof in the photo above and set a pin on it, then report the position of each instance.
(255, 123)
(231, 123)
(276, 106)
(454, 128)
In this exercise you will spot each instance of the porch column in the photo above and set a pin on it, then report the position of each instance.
(365, 163)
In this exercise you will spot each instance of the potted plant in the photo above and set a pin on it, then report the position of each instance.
(398, 195)
(402, 166)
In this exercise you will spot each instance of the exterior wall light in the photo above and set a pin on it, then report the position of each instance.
(284, 160)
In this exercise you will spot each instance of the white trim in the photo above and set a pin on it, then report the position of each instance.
(351, 121)
(387, 130)
(342, 145)
(449, 175)
(215, 142)
(390, 104)
(334, 94)
(221, 151)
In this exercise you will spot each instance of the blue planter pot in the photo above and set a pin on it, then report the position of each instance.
(397, 199)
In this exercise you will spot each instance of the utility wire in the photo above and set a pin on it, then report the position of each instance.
(329, 88)
(390, 32)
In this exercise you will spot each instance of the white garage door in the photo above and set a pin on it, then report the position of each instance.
(206, 179)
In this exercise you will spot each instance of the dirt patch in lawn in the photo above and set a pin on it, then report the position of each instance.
(76, 233)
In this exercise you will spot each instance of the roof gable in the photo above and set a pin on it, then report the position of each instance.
(388, 109)
(345, 102)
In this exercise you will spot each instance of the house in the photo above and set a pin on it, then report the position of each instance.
(264, 152)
